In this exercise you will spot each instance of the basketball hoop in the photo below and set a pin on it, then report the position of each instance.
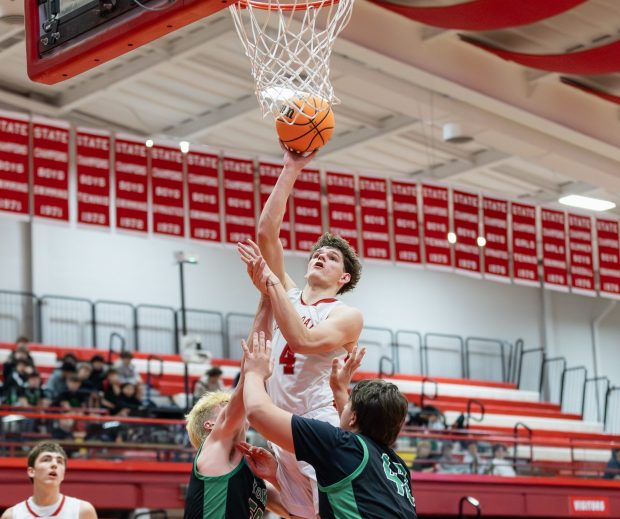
(289, 45)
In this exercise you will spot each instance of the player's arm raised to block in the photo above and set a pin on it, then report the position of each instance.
(270, 220)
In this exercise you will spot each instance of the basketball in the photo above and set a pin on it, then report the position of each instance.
(309, 129)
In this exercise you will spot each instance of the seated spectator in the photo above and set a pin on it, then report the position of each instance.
(500, 466)
(33, 394)
(17, 381)
(21, 352)
(126, 370)
(112, 390)
(98, 373)
(209, 382)
(128, 403)
(448, 463)
(73, 395)
(63, 429)
(424, 461)
(57, 383)
(612, 470)
(473, 460)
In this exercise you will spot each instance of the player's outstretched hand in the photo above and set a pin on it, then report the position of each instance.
(261, 275)
(296, 161)
(261, 461)
(259, 360)
(340, 377)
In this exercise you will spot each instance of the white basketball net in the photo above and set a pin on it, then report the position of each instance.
(289, 46)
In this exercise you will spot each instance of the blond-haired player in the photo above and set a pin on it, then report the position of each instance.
(312, 328)
(47, 463)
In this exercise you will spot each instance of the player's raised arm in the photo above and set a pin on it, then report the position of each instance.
(270, 220)
(340, 377)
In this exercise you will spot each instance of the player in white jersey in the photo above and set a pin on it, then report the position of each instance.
(47, 462)
(312, 328)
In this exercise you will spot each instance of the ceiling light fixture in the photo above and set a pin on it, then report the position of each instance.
(586, 202)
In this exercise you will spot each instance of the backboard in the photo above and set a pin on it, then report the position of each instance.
(67, 37)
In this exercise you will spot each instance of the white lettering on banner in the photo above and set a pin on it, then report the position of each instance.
(204, 198)
(131, 223)
(239, 203)
(466, 233)
(500, 270)
(610, 272)
(51, 134)
(92, 142)
(312, 229)
(495, 222)
(128, 148)
(524, 258)
(11, 167)
(239, 236)
(407, 208)
(579, 235)
(93, 162)
(340, 181)
(88, 217)
(346, 233)
(439, 258)
(402, 223)
(528, 212)
(303, 194)
(553, 233)
(53, 174)
(610, 286)
(168, 174)
(583, 271)
(312, 212)
(205, 234)
(589, 505)
(581, 259)
(374, 219)
(556, 278)
(51, 210)
(524, 228)
(470, 200)
(374, 203)
(434, 242)
(499, 254)
(526, 274)
(238, 167)
(202, 180)
(341, 199)
(404, 189)
(50, 191)
(469, 249)
(128, 167)
(435, 211)
(436, 226)
(376, 236)
(372, 185)
(376, 252)
(168, 228)
(467, 264)
(579, 221)
(436, 194)
(495, 205)
(496, 238)
(167, 155)
(168, 211)
(466, 217)
(202, 215)
(312, 177)
(131, 187)
(89, 180)
(131, 204)
(240, 220)
(611, 244)
(553, 248)
(610, 258)
(44, 153)
(526, 244)
(203, 161)
(407, 240)
(581, 247)
(558, 264)
(268, 170)
(14, 148)
(553, 217)
(93, 199)
(14, 127)
(408, 255)
(14, 186)
(342, 216)
(239, 185)
(167, 192)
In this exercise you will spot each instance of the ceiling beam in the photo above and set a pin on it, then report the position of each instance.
(480, 160)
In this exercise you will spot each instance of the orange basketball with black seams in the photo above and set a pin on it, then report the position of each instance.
(307, 127)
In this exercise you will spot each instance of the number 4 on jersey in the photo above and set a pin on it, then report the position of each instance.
(287, 359)
(399, 478)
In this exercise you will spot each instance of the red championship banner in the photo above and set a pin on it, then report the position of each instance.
(555, 266)
(92, 151)
(524, 250)
(405, 221)
(375, 226)
(596, 506)
(307, 209)
(14, 146)
(50, 150)
(167, 189)
(466, 221)
(341, 206)
(131, 183)
(496, 252)
(239, 199)
(436, 222)
(268, 173)
(204, 194)
(581, 257)
(608, 240)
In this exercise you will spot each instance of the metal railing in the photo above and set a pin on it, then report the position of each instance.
(571, 390)
(448, 355)
(550, 385)
(494, 363)
(612, 410)
(533, 382)
(410, 362)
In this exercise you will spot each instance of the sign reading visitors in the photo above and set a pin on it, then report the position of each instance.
(268, 173)
(239, 217)
(307, 209)
(405, 221)
(168, 200)
(92, 152)
(204, 195)
(524, 250)
(597, 506)
(436, 218)
(341, 206)
(375, 226)
(555, 267)
(466, 220)
(131, 183)
(580, 252)
(50, 163)
(496, 251)
(14, 142)
(608, 238)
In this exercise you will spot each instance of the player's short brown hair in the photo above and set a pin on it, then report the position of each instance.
(45, 446)
(352, 263)
(380, 409)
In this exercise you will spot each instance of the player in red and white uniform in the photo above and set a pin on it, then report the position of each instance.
(312, 328)
(47, 462)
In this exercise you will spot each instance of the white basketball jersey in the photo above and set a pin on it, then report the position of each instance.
(66, 508)
(300, 383)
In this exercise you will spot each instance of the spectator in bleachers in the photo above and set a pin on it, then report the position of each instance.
(73, 395)
(63, 429)
(21, 352)
(128, 403)
(57, 383)
(98, 373)
(424, 460)
(449, 463)
(473, 460)
(111, 390)
(18, 379)
(126, 370)
(33, 394)
(500, 466)
(612, 470)
(209, 382)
